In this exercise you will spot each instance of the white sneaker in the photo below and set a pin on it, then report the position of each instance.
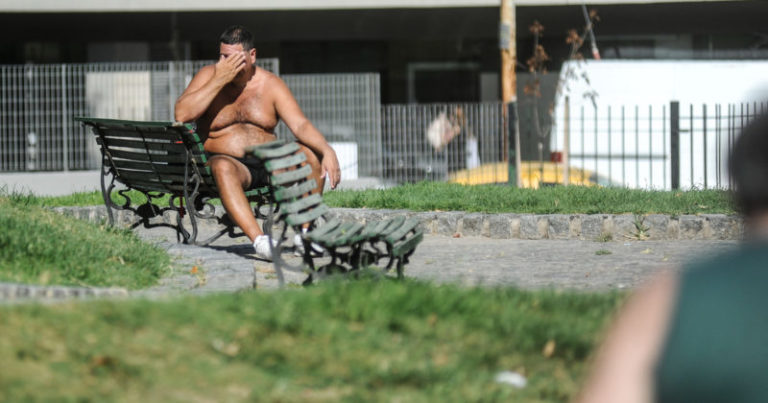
(262, 248)
(299, 247)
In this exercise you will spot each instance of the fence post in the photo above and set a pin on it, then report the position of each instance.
(172, 89)
(674, 125)
(513, 145)
(64, 116)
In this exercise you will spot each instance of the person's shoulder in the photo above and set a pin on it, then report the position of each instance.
(271, 79)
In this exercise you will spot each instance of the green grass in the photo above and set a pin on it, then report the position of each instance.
(78, 199)
(363, 340)
(439, 196)
(431, 196)
(38, 246)
(360, 340)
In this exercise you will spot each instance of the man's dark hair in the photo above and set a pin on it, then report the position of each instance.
(237, 35)
(748, 167)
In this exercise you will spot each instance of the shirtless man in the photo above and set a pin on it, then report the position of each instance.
(237, 104)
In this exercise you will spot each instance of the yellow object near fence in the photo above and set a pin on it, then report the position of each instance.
(534, 174)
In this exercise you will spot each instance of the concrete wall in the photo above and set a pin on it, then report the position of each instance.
(202, 5)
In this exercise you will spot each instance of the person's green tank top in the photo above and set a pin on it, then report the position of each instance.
(717, 346)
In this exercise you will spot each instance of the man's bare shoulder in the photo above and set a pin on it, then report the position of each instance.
(272, 80)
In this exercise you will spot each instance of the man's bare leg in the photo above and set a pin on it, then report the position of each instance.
(317, 175)
(314, 162)
(232, 177)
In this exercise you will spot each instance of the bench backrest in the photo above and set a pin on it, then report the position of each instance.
(152, 156)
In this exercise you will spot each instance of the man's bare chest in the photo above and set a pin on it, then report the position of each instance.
(247, 107)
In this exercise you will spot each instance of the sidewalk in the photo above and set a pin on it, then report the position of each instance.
(586, 265)
(531, 264)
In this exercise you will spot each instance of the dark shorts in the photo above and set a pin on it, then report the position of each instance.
(259, 175)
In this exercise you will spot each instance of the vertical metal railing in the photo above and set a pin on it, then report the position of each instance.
(693, 155)
(37, 103)
(346, 108)
(619, 146)
(709, 138)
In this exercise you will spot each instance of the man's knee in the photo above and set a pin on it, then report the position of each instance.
(312, 158)
(224, 168)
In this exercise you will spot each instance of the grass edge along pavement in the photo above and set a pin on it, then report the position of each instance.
(364, 340)
(440, 196)
(39, 246)
(416, 197)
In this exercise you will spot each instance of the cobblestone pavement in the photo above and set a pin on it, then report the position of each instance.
(569, 264)
(229, 265)
(582, 265)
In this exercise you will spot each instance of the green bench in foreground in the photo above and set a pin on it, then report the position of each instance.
(351, 245)
(159, 159)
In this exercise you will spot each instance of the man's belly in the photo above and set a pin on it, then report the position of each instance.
(233, 140)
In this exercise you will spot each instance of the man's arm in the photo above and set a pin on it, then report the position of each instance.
(205, 86)
(288, 110)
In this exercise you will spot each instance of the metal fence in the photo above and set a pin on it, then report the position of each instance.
(653, 147)
(704, 135)
(37, 103)
(346, 108)
(459, 141)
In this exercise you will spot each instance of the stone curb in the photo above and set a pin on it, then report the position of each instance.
(12, 292)
(617, 227)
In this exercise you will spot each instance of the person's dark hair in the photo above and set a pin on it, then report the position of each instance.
(237, 35)
(748, 166)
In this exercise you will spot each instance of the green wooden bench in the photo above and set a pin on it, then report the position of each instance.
(159, 159)
(350, 245)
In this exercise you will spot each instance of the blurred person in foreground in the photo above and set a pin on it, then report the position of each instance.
(237, 104)
(700, 335)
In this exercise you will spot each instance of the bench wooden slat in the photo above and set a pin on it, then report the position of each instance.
(255, 192)
(170, 146)
(148, 186)
(151, 177)
(130, 133)
(303, 218)
(392, 225)
(362, 235)
(404, 229)
(285, 193)
(408, 245)
(194, 161)
(128, 155)
(175, 189)
(343, 236)
(302, 204)
(126, 123)
(331, 236)
(285, 162)
(148, 166)
(374, 228)
(291, 176)
(321, 231)
(274, 149)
